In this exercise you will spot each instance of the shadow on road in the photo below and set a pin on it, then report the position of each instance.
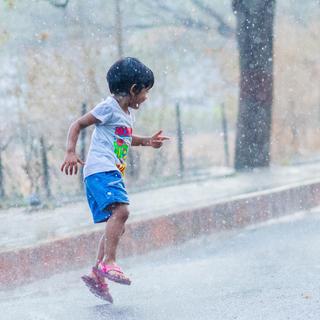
(112, 312)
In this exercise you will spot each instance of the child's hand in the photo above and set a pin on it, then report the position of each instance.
(70, 163)
(157, 139)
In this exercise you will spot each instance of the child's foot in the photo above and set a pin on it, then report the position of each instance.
(112, 272)
(97, 286)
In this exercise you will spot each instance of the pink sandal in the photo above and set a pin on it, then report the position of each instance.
(98, 288)
(104, 270)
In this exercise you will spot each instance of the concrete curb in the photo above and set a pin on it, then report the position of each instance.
(25, 265)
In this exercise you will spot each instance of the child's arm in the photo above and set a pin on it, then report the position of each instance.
(71, 160)
(154, 141)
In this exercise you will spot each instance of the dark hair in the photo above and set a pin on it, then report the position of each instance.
(126, 72)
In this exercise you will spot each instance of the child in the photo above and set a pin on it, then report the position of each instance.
(129, 81)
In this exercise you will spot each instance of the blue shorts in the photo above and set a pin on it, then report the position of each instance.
(104, 189)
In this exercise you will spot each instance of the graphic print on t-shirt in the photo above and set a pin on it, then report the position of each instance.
(122, 141)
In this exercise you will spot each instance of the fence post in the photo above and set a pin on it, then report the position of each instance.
(2, 190)
(45, 167)
(225, 136)
(83, 135)
(180, 140)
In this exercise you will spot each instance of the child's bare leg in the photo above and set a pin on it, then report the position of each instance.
(114, 230)
(101, 250)
(100, 255)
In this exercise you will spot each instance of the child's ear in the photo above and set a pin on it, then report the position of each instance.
(133, 90)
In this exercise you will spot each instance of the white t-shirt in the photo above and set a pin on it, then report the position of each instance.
(110, 140)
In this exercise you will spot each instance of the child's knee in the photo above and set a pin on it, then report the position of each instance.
(122, 212)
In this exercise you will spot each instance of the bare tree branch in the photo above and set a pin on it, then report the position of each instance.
(4, 145)
(224, 29)
(180, 18)
(184, 18)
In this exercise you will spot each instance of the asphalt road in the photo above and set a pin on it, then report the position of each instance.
(270, 271)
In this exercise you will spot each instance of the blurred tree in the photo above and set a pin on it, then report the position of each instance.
(10, 3)
(255, 19)
(254, 33)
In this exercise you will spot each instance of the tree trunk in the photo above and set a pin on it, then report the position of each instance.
(255, 41)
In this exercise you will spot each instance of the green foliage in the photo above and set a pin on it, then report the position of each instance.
(9, 3)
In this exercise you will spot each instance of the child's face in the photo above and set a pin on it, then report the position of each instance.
(139, 98)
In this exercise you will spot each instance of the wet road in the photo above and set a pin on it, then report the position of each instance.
(270, 271)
